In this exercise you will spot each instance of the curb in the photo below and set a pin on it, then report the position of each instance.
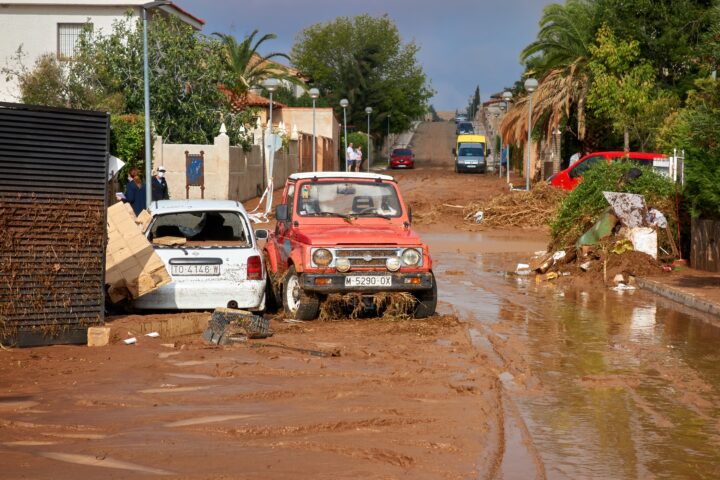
(679, 296)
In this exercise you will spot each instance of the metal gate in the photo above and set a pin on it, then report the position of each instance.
(53, 176)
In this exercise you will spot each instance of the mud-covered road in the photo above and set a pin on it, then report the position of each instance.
(514, 380)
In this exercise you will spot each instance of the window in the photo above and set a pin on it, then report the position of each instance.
(202, 228)
(341, 199)
(581, 168)
(68, 35)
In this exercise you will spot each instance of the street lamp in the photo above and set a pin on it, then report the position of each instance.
(368, 110)
(270, 84)
(344, 103)
(530, 86)
(314, 94)
(146, 88)
(388, 140)
(498, 155)
(507, 96)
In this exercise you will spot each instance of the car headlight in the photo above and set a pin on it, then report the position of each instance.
(411, 257)
(322, 257)
(393, 264)
(342, 265)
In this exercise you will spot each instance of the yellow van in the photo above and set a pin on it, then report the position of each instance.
(470, 153)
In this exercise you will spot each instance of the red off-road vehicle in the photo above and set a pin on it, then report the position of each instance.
(341, 232)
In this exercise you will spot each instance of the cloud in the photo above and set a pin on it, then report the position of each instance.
(463, 43)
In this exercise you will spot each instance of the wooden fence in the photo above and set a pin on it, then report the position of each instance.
(704, 248)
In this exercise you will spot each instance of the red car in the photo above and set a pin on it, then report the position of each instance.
(402, 158)
(345, 233)
(569, 178)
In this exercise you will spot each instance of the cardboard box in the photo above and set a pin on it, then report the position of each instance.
(132, 268)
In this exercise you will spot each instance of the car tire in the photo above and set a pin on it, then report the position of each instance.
(272, 296)
(297, 304)
(426, 301)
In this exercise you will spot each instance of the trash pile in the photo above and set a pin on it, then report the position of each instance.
(519, 208)
(228, 326)
(621, 244)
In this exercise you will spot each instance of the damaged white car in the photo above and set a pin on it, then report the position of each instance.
(210, 251)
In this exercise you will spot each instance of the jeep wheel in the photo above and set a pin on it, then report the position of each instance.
(297, 304)
(426, 301)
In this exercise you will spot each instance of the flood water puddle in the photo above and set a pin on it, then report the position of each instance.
(625, 384)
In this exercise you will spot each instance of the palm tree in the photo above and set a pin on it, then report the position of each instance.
(245, 67)
(558, 57)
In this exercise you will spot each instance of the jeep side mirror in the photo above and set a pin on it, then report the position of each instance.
(261, 234)
(281, 213)
(409, 213)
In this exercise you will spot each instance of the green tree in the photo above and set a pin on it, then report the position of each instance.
(364, 60)
(696, 129)
(185, 69)
(45, 84)
(623, 87)
(245, 67)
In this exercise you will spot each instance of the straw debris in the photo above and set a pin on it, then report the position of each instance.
(392, 306)
(532, 208)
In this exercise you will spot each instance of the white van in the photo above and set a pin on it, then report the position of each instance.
(211, 254)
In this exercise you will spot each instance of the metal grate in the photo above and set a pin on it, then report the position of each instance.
(372, 257)
(52, 223)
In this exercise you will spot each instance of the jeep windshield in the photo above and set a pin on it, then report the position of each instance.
(347, 199)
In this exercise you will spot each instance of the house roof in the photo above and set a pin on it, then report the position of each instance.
(238, 103)
(171, 8)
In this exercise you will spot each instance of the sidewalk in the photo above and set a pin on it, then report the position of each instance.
(693, 288)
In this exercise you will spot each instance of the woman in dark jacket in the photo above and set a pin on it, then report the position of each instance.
(135, 191)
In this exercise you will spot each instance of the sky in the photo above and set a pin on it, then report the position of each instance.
(463, 43)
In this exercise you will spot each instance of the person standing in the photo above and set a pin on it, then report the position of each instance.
(159, 185)
(349, 157)
(135, 191)
(358, 158)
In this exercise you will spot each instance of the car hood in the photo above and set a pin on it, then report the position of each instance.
(375, 235)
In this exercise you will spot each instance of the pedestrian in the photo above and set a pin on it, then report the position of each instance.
(349, 157)
(159, 185)
(358, 158)
(135, 191)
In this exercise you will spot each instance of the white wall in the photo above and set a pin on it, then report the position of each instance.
(35, 28)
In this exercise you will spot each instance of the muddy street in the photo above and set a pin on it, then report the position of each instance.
(511, 380)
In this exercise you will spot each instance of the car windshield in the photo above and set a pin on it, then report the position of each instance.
(348, 199)
(471, 150)
(402, 151)
(200, 229)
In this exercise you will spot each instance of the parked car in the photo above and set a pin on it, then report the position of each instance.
(460, 118)
(569, 178)
(402, 158)
(211, 254)
(470, 153)
(464, 128)
(343, 233)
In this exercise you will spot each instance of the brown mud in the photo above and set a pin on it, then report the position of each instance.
(513, 379)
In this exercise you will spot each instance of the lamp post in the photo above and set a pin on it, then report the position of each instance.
(388, 140)
(146, 93)
(530, 86)
(270, 84)
(507, 96)
(314, 94)
(344, 103)
(368, 110)
(497, 113)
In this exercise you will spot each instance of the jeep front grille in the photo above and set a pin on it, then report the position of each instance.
(367, 257)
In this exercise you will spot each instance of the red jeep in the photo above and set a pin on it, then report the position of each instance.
(341, 232)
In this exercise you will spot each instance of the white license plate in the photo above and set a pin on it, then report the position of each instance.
(368, 281)
(201, 270)
(470, 165)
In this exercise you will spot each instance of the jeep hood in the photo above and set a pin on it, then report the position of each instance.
(331, 235)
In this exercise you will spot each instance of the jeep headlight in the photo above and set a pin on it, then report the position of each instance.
(322, 257)
(411, 257)
(393, 263)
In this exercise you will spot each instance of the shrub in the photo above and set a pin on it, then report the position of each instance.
(581, 209)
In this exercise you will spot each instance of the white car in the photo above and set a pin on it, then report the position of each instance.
(211, 253)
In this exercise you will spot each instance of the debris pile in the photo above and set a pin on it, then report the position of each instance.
(395, 306)
(227, 326)
(519, 208)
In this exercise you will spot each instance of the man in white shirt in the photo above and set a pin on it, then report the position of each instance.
(350, 158)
